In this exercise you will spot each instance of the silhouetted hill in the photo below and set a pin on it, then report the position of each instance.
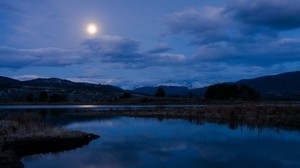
(30, 90)
(198, 92)
(8, 82)
(66, 84)
(284, 86)
(169, 90)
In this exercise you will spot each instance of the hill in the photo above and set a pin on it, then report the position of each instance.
(285, 86)
(55, 89)
(6, 82)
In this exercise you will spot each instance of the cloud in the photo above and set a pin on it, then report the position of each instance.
(118, 52)
(114, 49)
(205, 25)
(18, 58)
(273, 14)
(125, 52)
(160, 49)
(111, 45)
(235, 20)
(241, 32)
(27, 77)
(264, 53)
(169, 58)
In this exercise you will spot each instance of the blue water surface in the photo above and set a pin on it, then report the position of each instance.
(149, 142)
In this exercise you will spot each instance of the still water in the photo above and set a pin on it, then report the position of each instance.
(149, 142)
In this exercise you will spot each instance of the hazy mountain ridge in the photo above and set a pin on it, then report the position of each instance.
(285, 86)
(56, 89)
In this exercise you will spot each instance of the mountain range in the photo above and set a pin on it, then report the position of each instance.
(55, 89)
(284, 86)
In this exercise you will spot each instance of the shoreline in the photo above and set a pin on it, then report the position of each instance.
(19, 138)
(250, 115)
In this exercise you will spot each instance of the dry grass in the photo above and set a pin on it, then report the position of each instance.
(26, 125)
(252, 115)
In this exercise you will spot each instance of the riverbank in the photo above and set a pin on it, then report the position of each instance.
(23, 135)
(254, 115)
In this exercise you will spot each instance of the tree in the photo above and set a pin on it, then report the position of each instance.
(248, 93)
(191, 95)
(58, 98)
(29, 97)
(160, 92)
(43, 96)
(228, 91)
(126, 95)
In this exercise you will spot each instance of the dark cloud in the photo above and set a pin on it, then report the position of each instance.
(274, 14)
(18, 58)
(125, 52)
(263, 54)
(207, 25)
(119, 52)
(9, 7)
(242, 32)
(108, 45)
(236, 20)
(160, 49)
(115, 49)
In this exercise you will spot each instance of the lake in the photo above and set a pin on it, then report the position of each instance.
(150, 142)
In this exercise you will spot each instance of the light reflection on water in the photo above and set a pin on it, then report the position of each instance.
(93, 107)
(140, 142)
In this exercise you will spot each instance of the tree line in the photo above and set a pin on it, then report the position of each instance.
(231, 91)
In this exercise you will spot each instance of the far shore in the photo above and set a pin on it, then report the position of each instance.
(155, 102)
(272, 115)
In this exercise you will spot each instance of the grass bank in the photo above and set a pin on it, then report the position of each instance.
(22, 135)
(278, 116)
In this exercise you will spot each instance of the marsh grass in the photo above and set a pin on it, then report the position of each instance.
(24, 134)
(252, 115)
(26, 125)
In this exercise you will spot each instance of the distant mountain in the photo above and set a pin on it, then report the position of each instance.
(15, 90)
(284, 86)
(169, 90)
(66, 84)
(8, 82)
(198, 92)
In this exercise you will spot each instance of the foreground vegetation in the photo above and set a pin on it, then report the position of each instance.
(22, 135)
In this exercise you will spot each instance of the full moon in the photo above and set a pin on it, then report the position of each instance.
(92, 29)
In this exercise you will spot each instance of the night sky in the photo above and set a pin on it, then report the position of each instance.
(149, 42)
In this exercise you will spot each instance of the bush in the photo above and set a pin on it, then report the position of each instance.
(126, 95)
(160, 92)
(43, 96)
(227, 91)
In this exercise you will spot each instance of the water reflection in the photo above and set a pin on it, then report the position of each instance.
(138, 142)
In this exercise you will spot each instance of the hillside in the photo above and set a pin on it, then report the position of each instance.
(55, 90)
(282, 86)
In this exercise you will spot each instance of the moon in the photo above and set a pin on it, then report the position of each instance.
(91, 29)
